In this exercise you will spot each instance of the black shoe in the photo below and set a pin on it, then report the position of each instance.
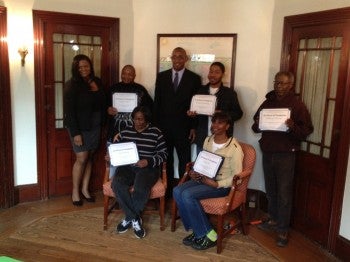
(78, 203)
(268, 225)
(139, 231)
(282, 240)
(203, 243)
(189, 240)
(89, 199)
(123, 226)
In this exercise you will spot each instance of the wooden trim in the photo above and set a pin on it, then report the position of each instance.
(342, 248)
(27, 193)
(6, 152)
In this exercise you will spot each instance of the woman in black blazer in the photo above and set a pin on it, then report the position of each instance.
(84, 110)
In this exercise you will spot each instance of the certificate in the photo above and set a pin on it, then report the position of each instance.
(123, 153)
(203, 104)
(207, 163)
(274, 119)
(124, 102)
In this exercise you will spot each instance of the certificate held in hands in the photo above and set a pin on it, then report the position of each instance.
(274, 119)
(203, 104)
(124, 102)
(208, 164)
(123, 153)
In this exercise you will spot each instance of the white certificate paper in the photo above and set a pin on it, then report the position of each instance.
(207, 163)
(274, 119)
(203, 104)
(124, 102)
(123, 153)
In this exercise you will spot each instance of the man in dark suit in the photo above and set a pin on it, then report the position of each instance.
(173, 93)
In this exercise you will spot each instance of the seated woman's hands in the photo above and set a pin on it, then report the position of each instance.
(202, 179)
(195, 176)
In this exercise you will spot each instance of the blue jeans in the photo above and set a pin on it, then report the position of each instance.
(187, 197)
(279, 176)
(143, 179)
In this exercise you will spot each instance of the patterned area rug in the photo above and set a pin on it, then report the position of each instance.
(79, 236)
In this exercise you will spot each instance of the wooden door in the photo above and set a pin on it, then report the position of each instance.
(63, 37)
(6, 146)
(316, 49)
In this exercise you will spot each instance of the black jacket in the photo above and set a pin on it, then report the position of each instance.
(80, 103)
(170, 107)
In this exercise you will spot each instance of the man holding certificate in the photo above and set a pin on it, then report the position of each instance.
(142, 170)
(225, 101)
(124, 97)
(284, 122)
(208, 185)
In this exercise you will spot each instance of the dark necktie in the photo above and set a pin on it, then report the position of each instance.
(176, 81)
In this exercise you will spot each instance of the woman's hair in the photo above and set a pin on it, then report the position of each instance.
(145, 111)
(75, 66)
(223, 117)
(219, 64)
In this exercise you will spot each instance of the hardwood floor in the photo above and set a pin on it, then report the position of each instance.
(299, 248)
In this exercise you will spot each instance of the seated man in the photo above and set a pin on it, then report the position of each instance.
(142, 175)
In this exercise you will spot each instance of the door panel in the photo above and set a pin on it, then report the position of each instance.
(62, 46)
(60, 37)
(316, 50)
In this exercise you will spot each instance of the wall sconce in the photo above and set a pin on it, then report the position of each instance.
(23, 52)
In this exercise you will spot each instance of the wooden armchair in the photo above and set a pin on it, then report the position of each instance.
(157, 195)
(222, 207)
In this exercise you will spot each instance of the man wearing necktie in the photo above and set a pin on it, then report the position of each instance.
(172, 98)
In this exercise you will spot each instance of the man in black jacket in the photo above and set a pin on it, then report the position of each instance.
(173, 93)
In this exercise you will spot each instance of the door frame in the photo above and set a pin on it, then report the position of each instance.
(336, 243)
(6, 144)
(40, 19)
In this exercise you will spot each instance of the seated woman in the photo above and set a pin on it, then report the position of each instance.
(189, 194)
(142, 175)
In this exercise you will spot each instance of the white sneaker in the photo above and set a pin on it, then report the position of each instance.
(139, 231)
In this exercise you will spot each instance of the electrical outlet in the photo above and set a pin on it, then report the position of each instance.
(251, 204)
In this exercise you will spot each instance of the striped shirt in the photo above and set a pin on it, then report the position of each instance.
(150, 144)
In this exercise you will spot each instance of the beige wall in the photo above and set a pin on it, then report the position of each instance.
(258, 24)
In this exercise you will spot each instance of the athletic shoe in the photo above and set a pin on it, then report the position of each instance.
(189, 240)
(139, 231)
(282, 239)
(123, 226)
(203, 243)
(268, 225)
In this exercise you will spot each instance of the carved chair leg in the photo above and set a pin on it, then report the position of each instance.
(105, 211)
(162, 212)
(243, 219)
(220, 232)
(173, 215)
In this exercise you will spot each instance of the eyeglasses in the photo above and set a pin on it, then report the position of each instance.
(280, 83)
